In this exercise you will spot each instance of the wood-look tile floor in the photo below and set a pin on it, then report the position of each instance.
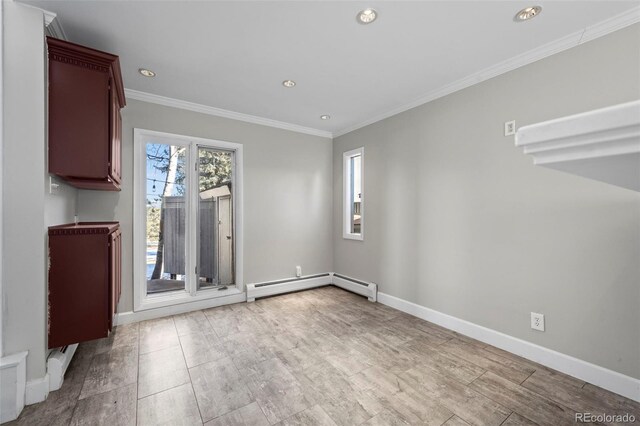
(319, 357)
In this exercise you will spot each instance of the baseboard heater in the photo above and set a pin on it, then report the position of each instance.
(57, 365)
(271, 288)
(369, 290)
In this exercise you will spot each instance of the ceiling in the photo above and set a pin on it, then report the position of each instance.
(234, 55)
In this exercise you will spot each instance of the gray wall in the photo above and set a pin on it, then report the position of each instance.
(24, 267)
(59, 207)
(28, 208)
(287, 192)
(459, 220)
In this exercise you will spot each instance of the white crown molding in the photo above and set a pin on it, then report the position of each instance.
(608, 379)
(592, 32)
(54, 28)
(219, 112)
(603, 144)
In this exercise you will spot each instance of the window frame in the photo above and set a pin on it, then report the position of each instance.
(141, 300)
(347, 195)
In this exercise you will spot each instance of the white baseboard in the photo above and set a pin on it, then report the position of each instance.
(608, 379)
(369, 290)
(57, 364)
(272, 288)
(13, 377)
(37, 390)
(131, 317)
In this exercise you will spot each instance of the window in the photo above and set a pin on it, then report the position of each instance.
(187, 229)
(353, 178)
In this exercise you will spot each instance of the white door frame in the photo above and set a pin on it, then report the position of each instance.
(141, 301)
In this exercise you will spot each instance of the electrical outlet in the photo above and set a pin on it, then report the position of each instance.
(537, 321)
(510, 128)
(54, 187)
(298, 271)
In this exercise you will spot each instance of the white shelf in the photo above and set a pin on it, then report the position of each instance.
(603, 144)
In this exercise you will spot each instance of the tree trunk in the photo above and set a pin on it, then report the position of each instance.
(157, 269)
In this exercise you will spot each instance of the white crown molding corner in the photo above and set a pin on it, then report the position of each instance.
(48, 17)
(219, 112)
(592, 32)
(608, 379)
(54, 28)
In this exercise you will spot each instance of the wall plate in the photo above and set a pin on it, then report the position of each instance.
(537, 321)
(510, 128)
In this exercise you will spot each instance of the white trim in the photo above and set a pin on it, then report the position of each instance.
(603, 144)
(368, 290)
(57, 364)
(131, 317)
(615, 382)
(37, 390)
(141, 300)
(183, 297)
(255, 290)
(592, 32)
(1, 181)
(53, 26)
(219, 112)
(13, 379)
(346, 194)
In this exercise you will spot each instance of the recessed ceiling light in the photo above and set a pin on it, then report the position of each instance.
(146, 72)
(325, 117)
(528, 13)
(367, 16)
(288, 83)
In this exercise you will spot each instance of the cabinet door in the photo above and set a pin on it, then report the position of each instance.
(78, 120)
(78, 288)
(115, 153)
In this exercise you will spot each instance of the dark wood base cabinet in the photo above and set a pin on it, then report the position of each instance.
(84, 281)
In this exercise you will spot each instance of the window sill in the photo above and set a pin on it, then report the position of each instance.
(356, 237)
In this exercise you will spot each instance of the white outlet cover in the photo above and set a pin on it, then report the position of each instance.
(537, 321)
(54, 187)
(510, 128)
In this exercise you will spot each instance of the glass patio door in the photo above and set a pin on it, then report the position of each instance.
(166, 217)
(186, 251)
(215, 239)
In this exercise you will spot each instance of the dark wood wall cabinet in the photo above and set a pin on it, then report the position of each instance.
(84, 281)
(85, 97)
